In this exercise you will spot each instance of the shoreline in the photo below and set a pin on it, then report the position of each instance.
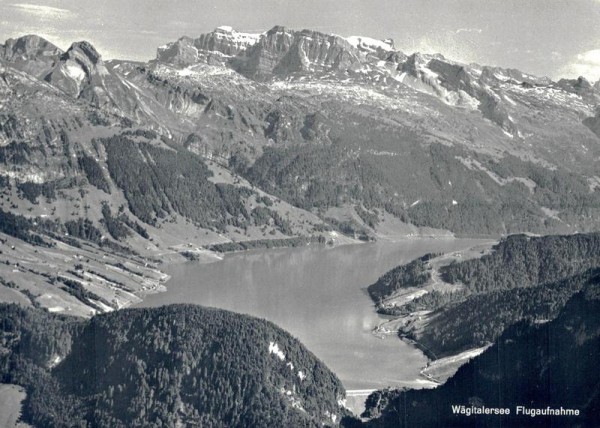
(400, 242)
(163, 275)
(155, 277)
(437, 370)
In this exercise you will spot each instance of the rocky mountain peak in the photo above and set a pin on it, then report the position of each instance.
(583, 83)
(213, 47)
(281, 51)
(80, 67)
(83, 51)
(582, 87)
(27, 48)
(413, 62)
(367, 45)
(277, 52)
(277, 29)
(32, 54)
(181, 52)
(419, 63)
(226, 40)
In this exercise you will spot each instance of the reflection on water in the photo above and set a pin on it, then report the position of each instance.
(318, 295)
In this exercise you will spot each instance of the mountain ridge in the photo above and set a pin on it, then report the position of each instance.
(201, 366)
(291, 134)
(525, 367)
(385, 48)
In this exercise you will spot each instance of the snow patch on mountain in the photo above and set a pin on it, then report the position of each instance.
(197, 73)
(594, 183)
(228, 33)
(475, 165)
(185, 72)
(350, 93)
(74, 71)
(274, 349)
(369, 44)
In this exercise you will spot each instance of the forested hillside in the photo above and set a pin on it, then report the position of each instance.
(523, 261)
(157, 181)
(537, 366)
(434, 185)
(413, 274)
(523, 277)
(480, 319)
(169, 366)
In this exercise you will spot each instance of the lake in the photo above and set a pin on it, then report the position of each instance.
(318, 294)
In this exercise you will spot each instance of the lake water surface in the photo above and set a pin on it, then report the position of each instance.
(318, 295)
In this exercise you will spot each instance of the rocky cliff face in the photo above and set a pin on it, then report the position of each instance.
(181, 52)
(31, 54)
(277, 52)
(29, 47)
(212, 48)
(229, 94)
(79, 72)
(593, 123)
(281, 52)
(581, 87)
(226, 40)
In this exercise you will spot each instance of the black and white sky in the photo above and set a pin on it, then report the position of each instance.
(555, 38)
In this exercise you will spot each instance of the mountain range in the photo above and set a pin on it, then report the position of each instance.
(286, 135)
(111, 168)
